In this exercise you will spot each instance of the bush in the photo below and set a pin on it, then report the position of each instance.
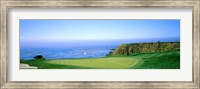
(39, 57)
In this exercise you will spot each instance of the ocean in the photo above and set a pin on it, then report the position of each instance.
(77, 49)
(60, 53)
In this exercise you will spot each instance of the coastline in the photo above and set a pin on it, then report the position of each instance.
(126, 56)
(170, 60)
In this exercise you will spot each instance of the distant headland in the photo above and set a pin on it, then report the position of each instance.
(135, 48)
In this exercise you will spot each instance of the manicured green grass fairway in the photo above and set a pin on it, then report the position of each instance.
(161, 60)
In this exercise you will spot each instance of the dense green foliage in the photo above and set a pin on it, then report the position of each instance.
(157, 60)
(39, 57)
(131, 49)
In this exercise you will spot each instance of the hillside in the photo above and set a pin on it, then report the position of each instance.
(134, 48)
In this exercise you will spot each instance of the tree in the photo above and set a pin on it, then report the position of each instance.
(39, 57)
(159, 46)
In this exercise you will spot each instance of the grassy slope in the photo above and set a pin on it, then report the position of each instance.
(162, 60)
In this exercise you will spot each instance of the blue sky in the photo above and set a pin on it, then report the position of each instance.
(69, 30)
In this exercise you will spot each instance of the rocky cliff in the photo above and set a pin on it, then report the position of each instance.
(130, 49)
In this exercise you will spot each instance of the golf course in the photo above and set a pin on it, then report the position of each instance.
(155, 60)
(99, 44)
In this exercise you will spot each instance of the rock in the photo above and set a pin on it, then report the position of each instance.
(26, 66)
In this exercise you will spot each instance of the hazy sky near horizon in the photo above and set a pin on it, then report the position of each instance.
(69, 30)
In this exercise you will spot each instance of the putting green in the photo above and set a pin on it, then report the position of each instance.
(108, 62)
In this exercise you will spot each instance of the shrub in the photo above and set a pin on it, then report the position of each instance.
(39, 57)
